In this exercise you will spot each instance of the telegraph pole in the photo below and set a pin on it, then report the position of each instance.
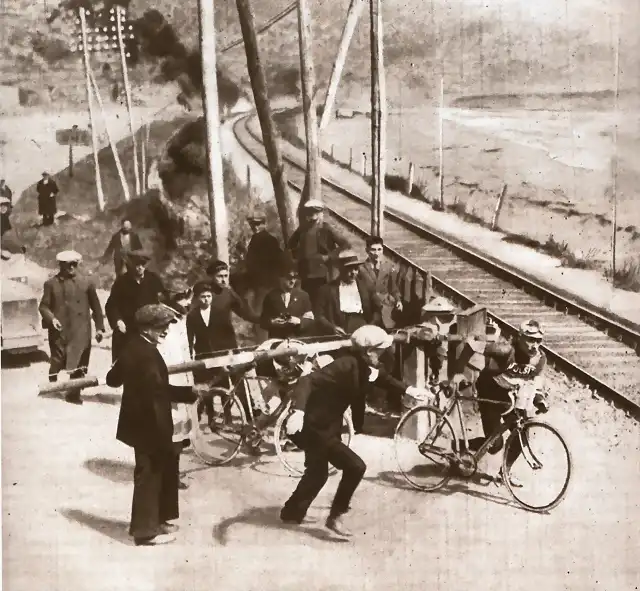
(378, 119)
(353, 14)
(307, 78)
(270, 133)
(215, 180)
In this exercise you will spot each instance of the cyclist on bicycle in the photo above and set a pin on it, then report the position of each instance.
(516, 367)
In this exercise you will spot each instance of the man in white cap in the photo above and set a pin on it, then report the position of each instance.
(313, 245)
(145, 424)
(47, 190)
(320, 401)
(68, 302)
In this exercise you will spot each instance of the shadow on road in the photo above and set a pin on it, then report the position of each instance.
(20, 360)
(112, 470)
(115, 529)
(101, 397)
(269, 517)
(469, 488)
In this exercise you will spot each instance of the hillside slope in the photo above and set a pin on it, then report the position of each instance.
(511, 48)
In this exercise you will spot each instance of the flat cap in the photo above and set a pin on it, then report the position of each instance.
(438, 305)
(155, 316)
(139, 254)
(177, 285)
(314, 204)
(371, 337)
(68, 256)
(349, 258)
(5, 201)
(257, 218)
(216, 266)
(201, 287)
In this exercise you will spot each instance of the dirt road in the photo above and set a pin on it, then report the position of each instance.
(67, 492)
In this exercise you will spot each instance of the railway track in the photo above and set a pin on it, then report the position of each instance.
(580, 342)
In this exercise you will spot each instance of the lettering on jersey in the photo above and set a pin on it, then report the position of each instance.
(520, 370)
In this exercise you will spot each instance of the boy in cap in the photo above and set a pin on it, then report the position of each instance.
(286, 311)
(47, 190)
(320, 400)
(175, 350)
(313, 245)
(146, 425)
(68, 302)
(347, 303)
(129, 292)
(439, 316)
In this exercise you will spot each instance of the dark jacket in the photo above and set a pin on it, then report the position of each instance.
(263, 259)
(328, 315)
(325, 394)
(128, 296)
(313, 247)
(273, 307)
(115, 248)
(219, 333)
(73, 301)
(6, 192)
(145, 421)
(47, 194)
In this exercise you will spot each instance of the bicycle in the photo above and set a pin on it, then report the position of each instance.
(234, 422)
(428, 429)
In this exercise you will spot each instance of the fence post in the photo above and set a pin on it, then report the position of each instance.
(249, 179)
(410, 178)
(331, 153)
(499, 204)
(350, 158)
(363, 169)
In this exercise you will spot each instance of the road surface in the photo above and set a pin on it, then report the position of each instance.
(67, 492)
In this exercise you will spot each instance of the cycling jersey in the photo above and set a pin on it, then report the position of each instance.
(501, 370)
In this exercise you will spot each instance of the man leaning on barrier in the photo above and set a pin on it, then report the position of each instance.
(320, 401)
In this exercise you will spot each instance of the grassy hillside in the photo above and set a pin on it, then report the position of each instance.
(510, 47)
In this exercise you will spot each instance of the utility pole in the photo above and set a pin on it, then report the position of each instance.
(378, 119)
(307, 77)
(270, 134)
(215, 180)
(353, 14)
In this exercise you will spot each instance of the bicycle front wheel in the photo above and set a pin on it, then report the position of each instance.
(291, 456)
(537, 466)
(424, 441)
(217, 439)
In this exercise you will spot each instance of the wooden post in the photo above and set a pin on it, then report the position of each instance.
(353, 14)
(363, 164)
(441, 145)
(307, 77)
(215, 181)
(72, 139)
(351, 158)
(270, 134)
(375, 118)
(331, 154)
(249, 179)
(410, 178)
(127, 92)
(94, 133)
(143, 157)
(114, 147)
(614, 158)
(499, 204)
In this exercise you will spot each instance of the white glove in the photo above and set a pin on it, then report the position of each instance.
(295, 421)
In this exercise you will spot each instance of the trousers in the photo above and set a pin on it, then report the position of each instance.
(155, 491)
(319, 453)
(491, 416)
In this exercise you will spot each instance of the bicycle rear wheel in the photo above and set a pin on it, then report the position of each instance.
(424, 441)
(537, 466)
(218, 441)
(291, 456)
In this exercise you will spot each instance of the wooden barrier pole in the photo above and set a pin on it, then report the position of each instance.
(499, 204)
(410, 178)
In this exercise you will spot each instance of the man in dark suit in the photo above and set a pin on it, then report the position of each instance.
(314, 244)
(286, 311)
(146, 425)
(262, 261)
(320, 400)
(5, 191)
(129, 292)
(348, 302)
(123, 241)
(47, 190)
(67, 304)
(382, 277)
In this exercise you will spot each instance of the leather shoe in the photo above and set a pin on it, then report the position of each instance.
(336, 526)
(155, 540)
(169, 528)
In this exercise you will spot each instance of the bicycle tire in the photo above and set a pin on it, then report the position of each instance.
(278, 439)
(506, 469)
(201, 443)
(439, 423)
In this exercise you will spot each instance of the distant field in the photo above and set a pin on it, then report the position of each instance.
(555, 162)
